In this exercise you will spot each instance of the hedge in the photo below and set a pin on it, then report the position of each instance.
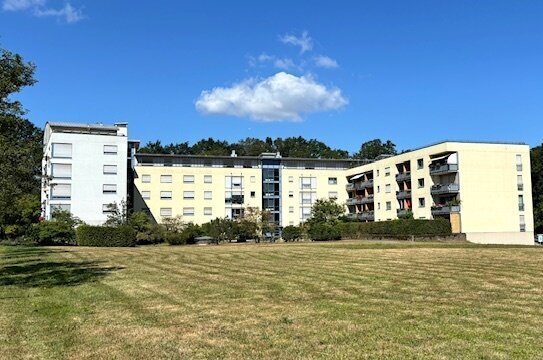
(51, 233)
(323, 232)
(415, 227)
(123, 235)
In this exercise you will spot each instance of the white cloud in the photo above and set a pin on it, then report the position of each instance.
(284, 64)
(39, 8)
(304, 42)
(279, 97)
(325, 62)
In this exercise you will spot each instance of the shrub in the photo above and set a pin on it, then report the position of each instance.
(221, 229)
(122, 235)
(13, 231)
(52, 233)
(323, 232)
(415, 227)
(186, 236)
(292, 233)
(154, 234)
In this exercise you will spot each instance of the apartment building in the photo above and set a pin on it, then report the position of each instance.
(484, 189)
(84, 168)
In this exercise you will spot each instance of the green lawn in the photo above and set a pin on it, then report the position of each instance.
(332, 300)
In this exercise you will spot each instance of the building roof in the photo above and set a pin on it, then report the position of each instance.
(82, 126)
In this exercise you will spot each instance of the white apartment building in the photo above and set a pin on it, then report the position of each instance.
(84, 168)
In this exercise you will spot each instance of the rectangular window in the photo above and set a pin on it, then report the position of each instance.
(208, 211)
(61, 191)
(253, 179)
(235, 182)
(332, 181)
(110, 149)
(378, 206)
(332, 195)
(291, 209)
(378, 188)
(389, 205)
(61, 171)
(521, 203)
(62, 151)
(166, 212)
(421, 183)
(188, 211)
(420, 164)
(188, 195)
(146, 178)
(387, 188)
(520, 183)
(308, 198)
(522, 222)
(291, 194)
(253, 194)
(305, 213)
(108, 208)
(377, 172)
(188, 179)
(165, 195)
(291, 179)
(422, 202)
(308, 182)
(387, 171)
(519, 162)
(166, 179)
(109, 189)
(146, 195)
(60, 207)
(110, 169)
(208, 179)
(208, 195)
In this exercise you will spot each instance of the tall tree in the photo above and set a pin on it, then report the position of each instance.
(373, 148)
(20, 145)
(211, 146)
(537, 187)
(252, 147)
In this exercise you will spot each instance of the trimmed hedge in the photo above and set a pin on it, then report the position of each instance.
(415, 227)
(123, 235)
(323, 232)
(292, 233)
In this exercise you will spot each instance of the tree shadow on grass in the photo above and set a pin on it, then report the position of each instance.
(35, 271)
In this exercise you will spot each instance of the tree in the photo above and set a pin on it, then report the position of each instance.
(211, 146)
(373, 148)
(252, 147)
(221, 229)
(20, 146)
(117, 214)
(537, 187)
(326, 211)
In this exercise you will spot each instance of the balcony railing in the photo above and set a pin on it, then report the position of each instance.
(364, 184)
(403, 176)
(349, 187)
(403, 194)
(367, 200)
(352, 201)
(443, 169)
(445, 189)
(402, 212)
(235, 199)
(366, 215)
(444, 210)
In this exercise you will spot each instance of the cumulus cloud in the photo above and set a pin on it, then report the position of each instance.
(39, 8)
(325, 62)
(279, 97)
(304, 42)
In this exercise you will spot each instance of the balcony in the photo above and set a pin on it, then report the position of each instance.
(353, 201)
(367, 200)
(403, 212)
(445, 189)
(349, 187)
(405, 176)
(235, 199)
(445, 210)
(364, 184)
(443, 169)
(403, 195)
(365, 216)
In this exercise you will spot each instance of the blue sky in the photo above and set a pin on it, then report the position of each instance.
(343, 72)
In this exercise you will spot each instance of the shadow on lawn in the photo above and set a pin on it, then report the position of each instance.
(31, 268)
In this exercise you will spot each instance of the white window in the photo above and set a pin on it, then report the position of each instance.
(208, 195)
(253, 179)
(110, 169)
(188, 195)
(519, 162)
(291, 209)
(378, 206)
(146, 195)
(291, 179)
(63, 151)
(109, 188)
(208, 211)
(61, 191)
(387, 188)
(61, 171)
(422, 202)
(521, 202)
(165, 195)
(146, 178)
(332, 194)
(389, 205)
(108, 208)
(208, 179)
(188, 211)
(110, 149)
(420, 163)
(308, 182)
(60, 207)
(165, 211)
(305, 213)
(377, 172)
(307, 198)
(166, 179)
(387, 171)
(520, 183)
(291, 194)
(188, 179)
(522, 222)
(233, 181)
(378, 188)
(332, 181)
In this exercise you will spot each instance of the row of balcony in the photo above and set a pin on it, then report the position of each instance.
(445, 189)
(445, 209)
(360, 200)
(366, 215)
(443, 169)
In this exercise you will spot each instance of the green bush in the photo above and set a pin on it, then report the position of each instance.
(292, 233)
(52, 233)
(153, 234)
(13, 231)
(186, 236)
(323, 232)
(400, 227)
(123, 235)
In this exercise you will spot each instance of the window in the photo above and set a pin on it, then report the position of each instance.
(166, 179)
(62, 151)
(61, 191)
(109, 189)
(520, 183)
(188, 211)
(291, 194)
(308, 182)
(378, 206)
(522, 222)
(188, 195)
(110, 149)
(378, 188)
(110, 169)
(332, 195)
(332, 181)
(146, 178)
(253, 194)
(519, 162)
(60, 207)
(422, 202)
(308, 198)
(377, 172)
(291, 209)
(108, 208)
(389, 205)
(165, 211)
(208, 195)
(165, 195)
(420, 164)
(253, 179)
(387, 171)
(208, 211)
(208, 179)
(305, 213)
(61, 171)
(233, 182)
(146, 195)
(421, 183)
(188, 179)
(521, 203)
(291, 179)
(387, 188)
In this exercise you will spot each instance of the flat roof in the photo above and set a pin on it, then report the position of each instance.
(73, 125)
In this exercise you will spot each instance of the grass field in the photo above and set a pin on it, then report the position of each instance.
(335, 300)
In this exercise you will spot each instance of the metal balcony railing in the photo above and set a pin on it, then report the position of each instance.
(443, 169)
(403, 176)
(446, 209)
(445, 189)
(403, 194)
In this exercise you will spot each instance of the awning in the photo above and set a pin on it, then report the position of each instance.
(357, 176)
(443, 157)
